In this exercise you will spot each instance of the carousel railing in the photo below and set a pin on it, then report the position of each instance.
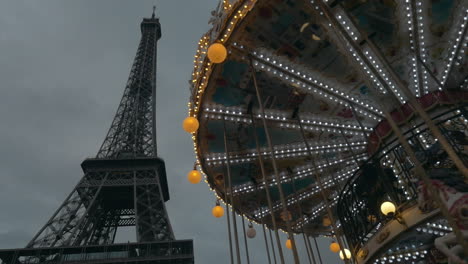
(387, 176)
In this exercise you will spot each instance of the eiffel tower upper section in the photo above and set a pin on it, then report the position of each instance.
(133, 130)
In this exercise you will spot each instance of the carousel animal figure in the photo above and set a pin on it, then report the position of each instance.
(453, 192)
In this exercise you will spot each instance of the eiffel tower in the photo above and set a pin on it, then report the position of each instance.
(124, 185)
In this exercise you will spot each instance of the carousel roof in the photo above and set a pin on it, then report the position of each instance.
(334, 68)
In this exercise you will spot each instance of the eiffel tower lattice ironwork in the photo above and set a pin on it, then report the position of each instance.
(124, 185)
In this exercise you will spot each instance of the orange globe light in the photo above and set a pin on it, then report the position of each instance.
(334, 247)
(190, 124)
(289, 243)
(217, 211)
(194, 176)
(217, 53)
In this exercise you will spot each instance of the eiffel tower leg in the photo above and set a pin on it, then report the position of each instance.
(151, 216)
(65, 219)
(82, 225)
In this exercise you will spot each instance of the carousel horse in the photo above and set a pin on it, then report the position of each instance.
(453, 192)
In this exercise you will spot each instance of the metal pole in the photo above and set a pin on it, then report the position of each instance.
(229, 228)
(273, 248)
(228, 161)
(302, 227)
(266, 243)
(275, 167)
(228, 221)
(267, 192)
(322, 192)
(318, 251)
(310, 255)
(245, 241)
(261, 218)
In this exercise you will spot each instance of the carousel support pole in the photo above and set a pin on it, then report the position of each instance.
(228, 163)
(275, 167)
(273, 248)
(310, 255)
(229, 232)
(228, 223)
(322, 192)
(245, 241)
(421, 174)
(262, 222)
(267, 192)
(302, 227)
(318, 251)
(266, 243)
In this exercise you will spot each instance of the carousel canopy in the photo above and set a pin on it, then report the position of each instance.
(329, 74)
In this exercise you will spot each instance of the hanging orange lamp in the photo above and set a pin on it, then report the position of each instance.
(217, 211)
(334, 247)
(217, 53)
(190, 124)
(194, 176)
(289, 243)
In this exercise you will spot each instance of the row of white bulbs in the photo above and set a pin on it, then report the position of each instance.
(303, 171)
(286, 149)
(458, 48)
(342, 19)
(337, 96)
(435, 228)
(367, 70)
(317, 212)
(349, 27)
(287, 125)
(249, 187)
(384, 74)
(294, 155)
(237, 114)
(273, 64)
(410, 256)
(417, 28)
(305, 194)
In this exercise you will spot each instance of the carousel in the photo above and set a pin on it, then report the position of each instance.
(343, 119)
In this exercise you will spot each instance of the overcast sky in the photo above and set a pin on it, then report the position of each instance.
(63, 68)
